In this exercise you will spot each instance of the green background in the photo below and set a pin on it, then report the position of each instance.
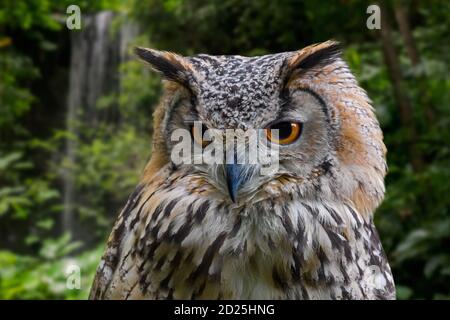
(404, 69)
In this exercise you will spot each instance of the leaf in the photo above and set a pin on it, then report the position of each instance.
(57, 248)
(403, 292)
(45, 224)
(410, 245)
(434, 263)
(7, 160)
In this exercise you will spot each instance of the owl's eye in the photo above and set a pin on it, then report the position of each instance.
(288, 132)
(198, 136)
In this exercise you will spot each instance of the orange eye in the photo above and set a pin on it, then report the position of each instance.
(198, 136)
(288, 132)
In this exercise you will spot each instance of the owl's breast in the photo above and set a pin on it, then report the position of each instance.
(173, 245)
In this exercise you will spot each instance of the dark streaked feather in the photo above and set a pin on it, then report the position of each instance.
(320, 57)
(165, 63)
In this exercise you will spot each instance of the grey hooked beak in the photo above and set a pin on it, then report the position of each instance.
(237, 175)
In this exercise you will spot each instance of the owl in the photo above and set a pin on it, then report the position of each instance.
(226, 231)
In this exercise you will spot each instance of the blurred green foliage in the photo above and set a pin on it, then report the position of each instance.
(413, 221)
(44, 276)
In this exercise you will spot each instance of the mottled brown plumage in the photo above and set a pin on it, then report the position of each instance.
(303, 232)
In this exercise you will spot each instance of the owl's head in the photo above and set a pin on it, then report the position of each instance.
(305, 103)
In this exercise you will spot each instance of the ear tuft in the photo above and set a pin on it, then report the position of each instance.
(317, 55)
(170, 65)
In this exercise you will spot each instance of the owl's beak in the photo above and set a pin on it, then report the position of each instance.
(236, 175)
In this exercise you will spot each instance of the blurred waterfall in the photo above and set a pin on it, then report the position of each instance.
(96, 53)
